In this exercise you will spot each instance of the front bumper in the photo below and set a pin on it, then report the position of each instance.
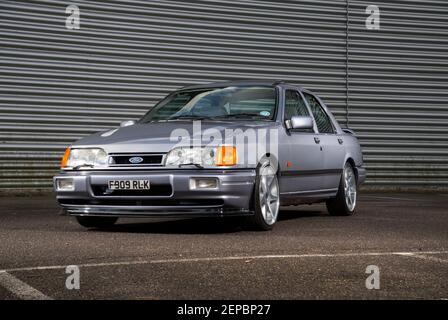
(169, 196)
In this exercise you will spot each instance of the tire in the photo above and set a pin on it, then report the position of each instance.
(344, 203)
(265, 216)
(96, 222)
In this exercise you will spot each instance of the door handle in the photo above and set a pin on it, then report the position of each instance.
(316, 139)
(340, 141)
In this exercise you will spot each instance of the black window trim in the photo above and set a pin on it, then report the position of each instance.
(283, 115)
(301, 96)
(303, 92)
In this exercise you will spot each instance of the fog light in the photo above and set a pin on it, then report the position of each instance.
(203, 183)
(65, 184)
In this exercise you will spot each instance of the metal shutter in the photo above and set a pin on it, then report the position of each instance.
(398, 89)
(57, 85)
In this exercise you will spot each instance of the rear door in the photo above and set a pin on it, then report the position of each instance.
(330, 141)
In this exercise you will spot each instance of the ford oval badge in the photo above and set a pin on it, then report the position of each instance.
(136, 160)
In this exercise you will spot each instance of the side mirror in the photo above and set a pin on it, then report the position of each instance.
(302, 123)
(127, 123)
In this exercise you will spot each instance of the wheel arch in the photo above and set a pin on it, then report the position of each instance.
(272, 158)
(351, 161)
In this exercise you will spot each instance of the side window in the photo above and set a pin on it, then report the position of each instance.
(294, 105)
(323, 122)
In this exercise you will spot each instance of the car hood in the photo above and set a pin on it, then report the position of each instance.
(160, 136)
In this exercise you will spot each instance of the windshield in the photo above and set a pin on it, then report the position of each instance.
(256, 102)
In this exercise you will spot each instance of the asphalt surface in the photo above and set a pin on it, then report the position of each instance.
(308, 255)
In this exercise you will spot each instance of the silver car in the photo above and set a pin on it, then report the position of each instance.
(223, 149)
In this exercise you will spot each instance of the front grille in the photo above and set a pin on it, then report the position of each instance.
(155, 190)
(136, 160)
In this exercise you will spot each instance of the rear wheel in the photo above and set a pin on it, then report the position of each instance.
(96, 222)
(345, 201)
(266, 197)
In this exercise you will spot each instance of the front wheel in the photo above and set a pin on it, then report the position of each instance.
(345, 201)
(96, 222)
(266, 197)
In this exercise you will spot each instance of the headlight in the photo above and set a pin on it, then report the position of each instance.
(207, 156)
(90, 157)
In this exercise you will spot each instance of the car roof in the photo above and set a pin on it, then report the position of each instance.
(240, 83)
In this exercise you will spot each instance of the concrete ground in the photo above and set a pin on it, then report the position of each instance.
(308, 255)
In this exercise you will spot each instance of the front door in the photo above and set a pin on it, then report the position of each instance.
(304, 157)
(331, 144)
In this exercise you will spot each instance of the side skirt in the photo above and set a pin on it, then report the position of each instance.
(303, 197)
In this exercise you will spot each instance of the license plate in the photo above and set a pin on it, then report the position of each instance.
(128, 184)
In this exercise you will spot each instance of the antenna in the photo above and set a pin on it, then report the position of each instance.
(276, 82)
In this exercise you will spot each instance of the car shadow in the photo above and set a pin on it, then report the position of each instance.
(292, 213)
(204, 225)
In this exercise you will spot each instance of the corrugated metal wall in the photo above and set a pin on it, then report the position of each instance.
(57, 85)
(398, 87)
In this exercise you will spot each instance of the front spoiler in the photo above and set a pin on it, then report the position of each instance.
(154, 211)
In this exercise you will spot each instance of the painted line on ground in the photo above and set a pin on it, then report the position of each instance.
(394, 198)
(228, 258)
(294, 256)
(19, 288)
(101, 264)
(425, 257)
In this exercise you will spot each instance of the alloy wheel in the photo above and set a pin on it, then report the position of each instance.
(350, 187)
(269, 194)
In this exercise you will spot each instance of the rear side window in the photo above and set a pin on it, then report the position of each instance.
(323, 121)
(294, 105)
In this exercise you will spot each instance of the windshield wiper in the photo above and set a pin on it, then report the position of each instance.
(188, 118)
(241, 115)
(221, 117)
(179, 118)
